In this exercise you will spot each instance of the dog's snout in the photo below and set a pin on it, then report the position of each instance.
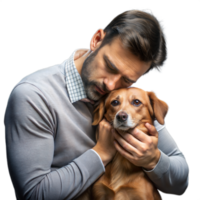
(122, 116)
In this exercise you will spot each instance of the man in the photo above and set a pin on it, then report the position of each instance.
(51, 147)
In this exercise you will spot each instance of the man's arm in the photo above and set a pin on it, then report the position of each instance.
(30, 130)
(170, 175)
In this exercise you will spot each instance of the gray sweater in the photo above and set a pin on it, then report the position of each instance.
(49, 141)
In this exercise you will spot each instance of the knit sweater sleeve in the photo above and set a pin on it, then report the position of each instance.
(170, 175)
(30, 131)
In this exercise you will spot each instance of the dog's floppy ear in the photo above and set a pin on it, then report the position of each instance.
(160, 108)
(99, 111)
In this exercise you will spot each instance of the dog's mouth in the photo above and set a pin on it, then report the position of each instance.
(123, 127)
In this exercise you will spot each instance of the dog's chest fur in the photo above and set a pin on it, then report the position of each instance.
(120, 171)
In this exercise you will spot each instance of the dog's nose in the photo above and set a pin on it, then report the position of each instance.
(122, 116)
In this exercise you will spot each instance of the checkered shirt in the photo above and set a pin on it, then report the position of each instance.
(73, 81)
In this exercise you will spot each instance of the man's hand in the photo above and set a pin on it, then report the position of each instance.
(139, 148)
(105, 144)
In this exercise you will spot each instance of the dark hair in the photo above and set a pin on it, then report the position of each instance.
(141, 33)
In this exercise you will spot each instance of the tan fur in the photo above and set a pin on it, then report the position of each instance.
(122, 180)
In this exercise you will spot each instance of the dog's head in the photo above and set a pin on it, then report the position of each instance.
(129, 107)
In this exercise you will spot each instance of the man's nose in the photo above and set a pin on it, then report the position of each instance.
(111, 83)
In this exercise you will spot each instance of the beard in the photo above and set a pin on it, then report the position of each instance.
(88, 83)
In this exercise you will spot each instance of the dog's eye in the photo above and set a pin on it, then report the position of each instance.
(115, 103)
(136, 102)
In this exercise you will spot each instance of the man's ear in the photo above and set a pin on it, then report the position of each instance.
(160, 108)
(96, 39)
(99, 111)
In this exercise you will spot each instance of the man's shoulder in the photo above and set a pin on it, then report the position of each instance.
(45, 75)
(47, 78)
(45, 82)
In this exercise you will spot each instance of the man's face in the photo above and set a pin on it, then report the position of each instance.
(111, 67)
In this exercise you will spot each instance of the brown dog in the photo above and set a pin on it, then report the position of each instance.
(126, 109)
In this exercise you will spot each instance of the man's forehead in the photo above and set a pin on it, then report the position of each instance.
(124, 60)
(117, 69)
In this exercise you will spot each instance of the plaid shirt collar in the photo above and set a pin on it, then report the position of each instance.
(74, 82)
